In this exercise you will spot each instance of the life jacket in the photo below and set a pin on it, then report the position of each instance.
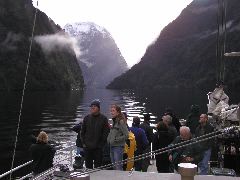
(129, 149)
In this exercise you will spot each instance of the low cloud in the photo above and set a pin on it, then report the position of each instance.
(58, 41)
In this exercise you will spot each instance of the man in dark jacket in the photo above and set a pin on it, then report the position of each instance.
(149, 133)
(193, 118)
(77, 128)
(172, 131)
(94, 132)
(161, 140)
(175, 120)
(206, 146)
(79, 158)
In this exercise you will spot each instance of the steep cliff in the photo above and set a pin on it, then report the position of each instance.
(57, 69)
(184, 55)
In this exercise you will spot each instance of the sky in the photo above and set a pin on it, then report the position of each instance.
(133, 24)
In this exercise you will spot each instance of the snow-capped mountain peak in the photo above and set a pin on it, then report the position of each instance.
(100, 60)
(79, 28)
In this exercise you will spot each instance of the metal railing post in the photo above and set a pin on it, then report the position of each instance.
(71, 156)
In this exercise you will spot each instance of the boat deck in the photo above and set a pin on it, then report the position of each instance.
(120, 175)
(135, 175)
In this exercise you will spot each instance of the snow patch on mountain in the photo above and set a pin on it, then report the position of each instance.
(79, 28)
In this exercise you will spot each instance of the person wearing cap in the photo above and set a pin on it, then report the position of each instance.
(94, 132)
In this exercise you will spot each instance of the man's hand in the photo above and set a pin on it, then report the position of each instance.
(188, 159)
(170, 158)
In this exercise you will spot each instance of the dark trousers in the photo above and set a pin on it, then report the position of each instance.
(163, 164)
(91, 155)
(138, 163)
(146, 160)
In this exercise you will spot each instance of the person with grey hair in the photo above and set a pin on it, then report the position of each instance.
(42, 154)
(172, 131)
(175, 121)
(186, 154)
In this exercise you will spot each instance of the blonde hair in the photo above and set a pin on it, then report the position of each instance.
(42, 137)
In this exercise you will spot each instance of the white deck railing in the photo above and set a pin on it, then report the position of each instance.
(58, 154)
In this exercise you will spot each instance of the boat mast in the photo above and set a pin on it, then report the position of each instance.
(221, 41)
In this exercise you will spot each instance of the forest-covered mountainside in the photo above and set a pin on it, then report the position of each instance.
(56, 70)
(184, 54)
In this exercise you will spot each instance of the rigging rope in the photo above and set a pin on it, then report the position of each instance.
(166, 149)
(156, 152)
(23, 91)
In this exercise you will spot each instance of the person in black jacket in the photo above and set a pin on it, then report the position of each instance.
(206, 146)
(162, 139)
(77, 128)
(79, 158)
(94, 132)
(193, 118)
(42, 154)
(175, 121)
(145, 125)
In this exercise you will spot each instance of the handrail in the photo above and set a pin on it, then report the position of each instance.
(26, 176)
(16, 168)
(29, 162)
(148, 154)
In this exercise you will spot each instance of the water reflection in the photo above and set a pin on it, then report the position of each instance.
(55, 113)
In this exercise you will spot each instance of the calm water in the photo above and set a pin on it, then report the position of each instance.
(57, 112)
